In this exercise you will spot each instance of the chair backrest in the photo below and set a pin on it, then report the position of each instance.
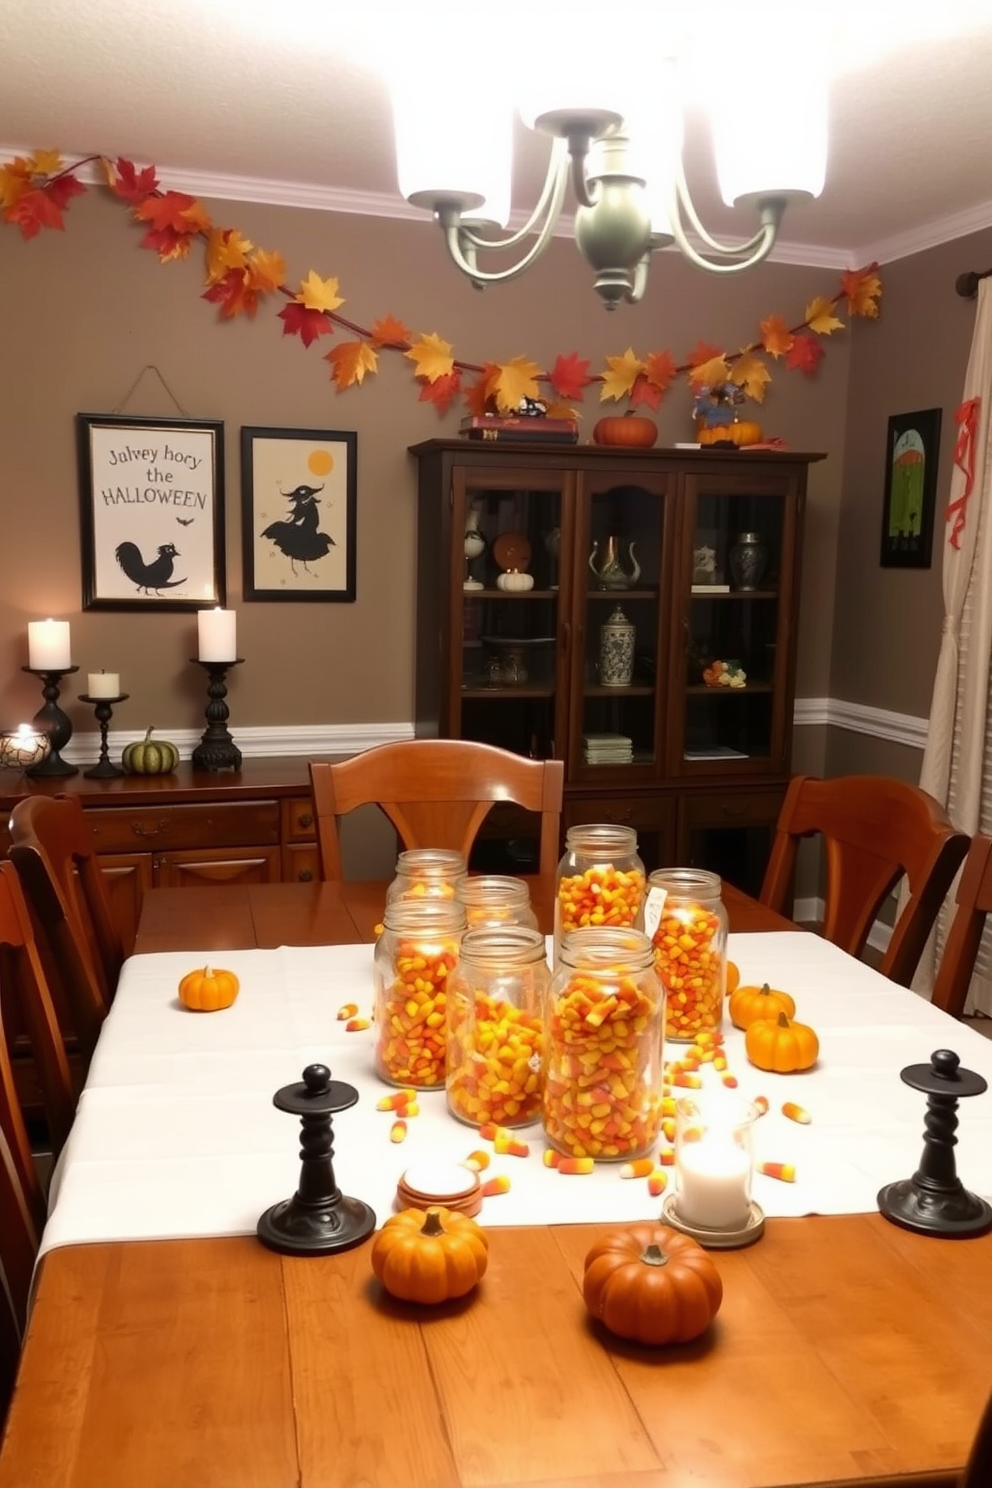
(876, 831)
(436, 793)
(20, 1234)
(23, 981)
(973, 902)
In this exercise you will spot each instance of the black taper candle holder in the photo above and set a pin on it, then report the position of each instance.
(934, 1201)
(318, 1219)
(51, 720)
(104, 769)
(216, 749)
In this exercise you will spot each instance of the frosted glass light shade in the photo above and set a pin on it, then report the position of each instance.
(653, 124)
(463, 155)
(774, 155)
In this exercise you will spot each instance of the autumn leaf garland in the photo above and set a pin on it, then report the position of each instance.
(36, 190)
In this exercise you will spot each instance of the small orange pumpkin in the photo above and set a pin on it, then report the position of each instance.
(748, 1004)
(733, 977)
(781, 1045)
(740, 432)
(207, 990)
(652, 1284)
(430, 1256)
(630, 428)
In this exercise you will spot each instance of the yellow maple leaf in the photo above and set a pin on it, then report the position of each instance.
(820, 316)
(319, 294)
(266, 270)
(776, 337)
(46, 163)
(623, 373)
(349, 363)
(15, 179)
(514, 381)
(710, 373)
(197, 217)
(750, 373)
(225, 250)
(433, 357)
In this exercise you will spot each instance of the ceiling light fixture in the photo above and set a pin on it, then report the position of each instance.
(622, 154)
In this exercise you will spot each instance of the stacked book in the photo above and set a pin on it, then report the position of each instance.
(608, 749)
(520, 428)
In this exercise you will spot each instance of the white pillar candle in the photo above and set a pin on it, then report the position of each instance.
(103, 685)
(217, 635)
(48, 646)
(713, 1179)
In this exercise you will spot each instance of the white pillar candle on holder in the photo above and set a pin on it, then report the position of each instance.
(217, 635)
(103, 685)
(48, 646)
(714, 1161)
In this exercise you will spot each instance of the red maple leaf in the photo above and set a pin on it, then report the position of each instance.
(34, 210)
(804, 355)
(132, 185)
(644, 392)
(166, 211)
(443, 390)
(63, 188)
(702, 352)
(309, 325)
(233, 294)
(167, 243)
(388, 331)
(569, 376)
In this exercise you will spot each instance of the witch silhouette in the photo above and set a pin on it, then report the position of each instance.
(299, 537)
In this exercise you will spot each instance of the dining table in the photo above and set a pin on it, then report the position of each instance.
(847, 1349)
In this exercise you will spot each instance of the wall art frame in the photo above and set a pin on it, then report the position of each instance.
(151, 496)
(912, 451)
(299, 492)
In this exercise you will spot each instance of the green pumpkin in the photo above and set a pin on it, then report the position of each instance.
(150, 756)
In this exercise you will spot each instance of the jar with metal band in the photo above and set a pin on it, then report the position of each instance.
(601, 880)
(495, 899)
(604, 1047)
(686, 918)
(427, 873)
(414, 957)
(496, 998)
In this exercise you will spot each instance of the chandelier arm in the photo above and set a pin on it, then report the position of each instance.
(551, 200)
(771, 209)
(462, 245)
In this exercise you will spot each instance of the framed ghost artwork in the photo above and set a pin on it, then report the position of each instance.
(299, 502)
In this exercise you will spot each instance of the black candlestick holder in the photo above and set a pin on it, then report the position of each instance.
(934, 1201)
(216, 749)
(318, 1219)
(52, 721)
(103, 707)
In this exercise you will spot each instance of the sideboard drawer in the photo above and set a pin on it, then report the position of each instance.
(732, 808)
(298, 821)
(237, 824)
(654, 813)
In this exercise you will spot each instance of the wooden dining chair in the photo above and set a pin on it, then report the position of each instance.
(436, 793)
(973, 902)
(876, 831)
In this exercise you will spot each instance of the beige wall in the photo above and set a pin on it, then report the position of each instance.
(83, 311)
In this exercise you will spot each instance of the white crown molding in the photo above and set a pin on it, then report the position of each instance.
(930, 235)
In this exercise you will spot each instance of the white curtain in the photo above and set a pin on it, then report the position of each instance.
(957, 761)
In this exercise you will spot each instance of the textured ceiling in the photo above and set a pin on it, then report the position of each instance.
(267, 103)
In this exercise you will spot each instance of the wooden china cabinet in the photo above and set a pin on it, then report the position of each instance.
(648, 567)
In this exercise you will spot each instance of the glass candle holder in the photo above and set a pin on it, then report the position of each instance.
(714, 1161)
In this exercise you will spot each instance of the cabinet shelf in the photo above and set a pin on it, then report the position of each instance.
(700, 689)
(736, 594)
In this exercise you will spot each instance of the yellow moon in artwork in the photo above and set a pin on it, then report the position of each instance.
(321, 462)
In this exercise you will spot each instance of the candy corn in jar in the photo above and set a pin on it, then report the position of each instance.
(427, 873)
(604, 1046)
(414, 957)
(685, 917)
(601, 881)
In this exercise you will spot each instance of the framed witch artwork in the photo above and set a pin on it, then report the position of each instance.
(299, 506)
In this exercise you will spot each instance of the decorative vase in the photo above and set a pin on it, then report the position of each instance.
(748, 558)
(552, 546)
(609, 570)
(616, 650)
(474, 545)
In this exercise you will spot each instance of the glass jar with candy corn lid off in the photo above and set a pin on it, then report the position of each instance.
(686, 919)
(601, 881)
(427, 873)
(414, 957)
(496, 999)
(604, 1046)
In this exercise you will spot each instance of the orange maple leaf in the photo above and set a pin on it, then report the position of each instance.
(702, 352)
(197, 218)
(232, 293)
(644, 394)
(432, 357)
(15, 179)
(561, 409)
(805, 354)
(862, 288)
(623, 372)
(776, 338)
(569, 376)
(660, 371)
(226, 249)
(750, 373)
(349, 363)
(710, 373)
(309, 325)
(443, 390)
(33, 210)
(820, 316)
(129, 184)
(266, 271)
(166, 211)
(388, 331)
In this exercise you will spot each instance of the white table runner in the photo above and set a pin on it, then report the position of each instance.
(176, 1133)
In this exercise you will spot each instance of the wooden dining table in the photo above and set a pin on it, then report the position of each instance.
(847, 1349)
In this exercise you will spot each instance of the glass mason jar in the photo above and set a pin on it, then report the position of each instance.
(686, 920)
(496, 998)
(414, 957)
(604, 1046)
(601, 880)
(427, 873)
(495, 899)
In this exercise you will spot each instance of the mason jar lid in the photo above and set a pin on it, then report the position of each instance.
(607, 948)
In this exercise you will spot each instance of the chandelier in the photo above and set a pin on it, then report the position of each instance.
(617, 142)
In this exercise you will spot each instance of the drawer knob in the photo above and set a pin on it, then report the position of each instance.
(140, 830)
(306, 820)
(305, 876)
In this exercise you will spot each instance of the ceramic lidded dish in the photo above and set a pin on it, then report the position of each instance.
(427, 1184)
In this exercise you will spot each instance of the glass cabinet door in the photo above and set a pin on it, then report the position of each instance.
(736, 577)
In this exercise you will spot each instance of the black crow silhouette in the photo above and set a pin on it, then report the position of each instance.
(149, 577)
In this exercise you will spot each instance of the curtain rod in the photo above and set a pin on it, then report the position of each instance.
(967, 284)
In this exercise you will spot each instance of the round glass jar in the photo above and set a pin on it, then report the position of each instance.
(686, 919)
(496, 997)
(414, 957)
(427, 873)
(495, 899)
(601, 880)
(604, 1047)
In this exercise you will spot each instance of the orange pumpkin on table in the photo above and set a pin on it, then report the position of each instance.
(430, 1256)
(781, 1046)
(651, 1284)
(207, 990)
(748, 1004)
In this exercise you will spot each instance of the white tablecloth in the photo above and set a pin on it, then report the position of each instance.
(176, 1133)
